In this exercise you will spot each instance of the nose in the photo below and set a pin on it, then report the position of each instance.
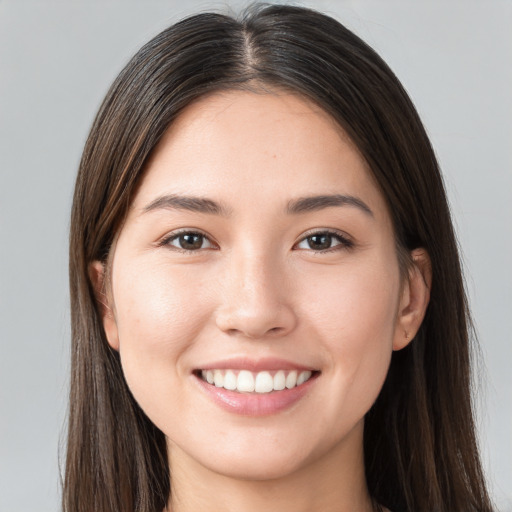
(255, 300)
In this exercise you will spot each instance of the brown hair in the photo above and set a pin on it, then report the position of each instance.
(419, 440)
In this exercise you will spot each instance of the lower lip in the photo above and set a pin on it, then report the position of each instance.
(256, 404)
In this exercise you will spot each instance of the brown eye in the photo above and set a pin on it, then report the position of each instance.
(325, 241)
(319, 242)
(189, 241)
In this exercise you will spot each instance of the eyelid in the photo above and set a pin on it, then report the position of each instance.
(345, 240)
(165, 240)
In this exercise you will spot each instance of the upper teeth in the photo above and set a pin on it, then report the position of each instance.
(261, 382)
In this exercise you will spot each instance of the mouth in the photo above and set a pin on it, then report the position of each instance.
(262, 382)
(256, 387)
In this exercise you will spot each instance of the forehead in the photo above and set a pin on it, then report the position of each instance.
(266, 145)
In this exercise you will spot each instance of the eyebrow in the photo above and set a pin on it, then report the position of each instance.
(315, 203)
(189, 203)
(294, 207)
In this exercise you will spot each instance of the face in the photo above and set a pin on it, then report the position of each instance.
(255, 294)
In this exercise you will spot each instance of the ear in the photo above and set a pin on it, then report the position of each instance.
(97, 276)
(414, 300)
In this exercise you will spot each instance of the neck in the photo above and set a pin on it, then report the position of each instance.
(333, 482)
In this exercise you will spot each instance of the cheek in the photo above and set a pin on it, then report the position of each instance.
(159, 315)
(353, 315)
(158, 307)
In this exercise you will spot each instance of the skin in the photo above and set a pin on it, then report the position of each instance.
(256, 289)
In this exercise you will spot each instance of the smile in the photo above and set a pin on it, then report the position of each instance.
(257, 386)
(244, 381)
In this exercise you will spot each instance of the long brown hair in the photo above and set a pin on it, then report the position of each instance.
(419, 440)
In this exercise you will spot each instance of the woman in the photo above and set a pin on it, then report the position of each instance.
(267, 304)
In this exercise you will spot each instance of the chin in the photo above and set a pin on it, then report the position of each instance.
(259, 457)
(257, 468)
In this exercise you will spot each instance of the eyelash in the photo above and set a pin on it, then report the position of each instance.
(344, 242)
(166, 242)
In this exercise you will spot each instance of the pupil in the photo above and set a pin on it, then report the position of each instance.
(191, 241)
(320, 242)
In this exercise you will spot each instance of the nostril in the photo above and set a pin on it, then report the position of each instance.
(255, 320)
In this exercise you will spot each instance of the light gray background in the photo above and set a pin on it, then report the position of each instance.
(57, 60)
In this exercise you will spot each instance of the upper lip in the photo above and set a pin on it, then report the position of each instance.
(255, 365)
